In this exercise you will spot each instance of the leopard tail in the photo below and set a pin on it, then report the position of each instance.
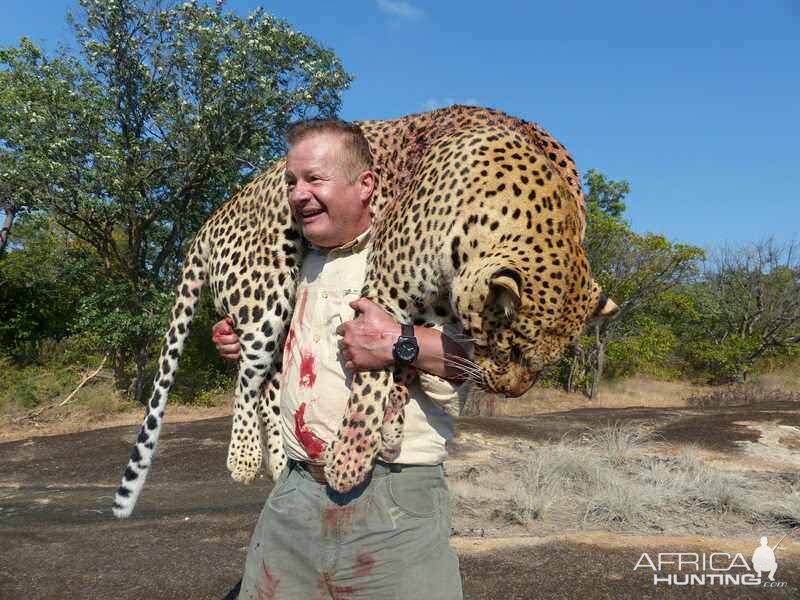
(188, 294)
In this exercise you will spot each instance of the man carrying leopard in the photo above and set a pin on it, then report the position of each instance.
(389, 536)
(477, 224)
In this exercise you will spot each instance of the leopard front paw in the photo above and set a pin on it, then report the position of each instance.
(244, 461)
(349, 459)
(389, 453)
(392, 432)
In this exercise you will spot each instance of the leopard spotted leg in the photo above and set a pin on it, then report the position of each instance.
(349, 458)
(244, 452)
(269, 406)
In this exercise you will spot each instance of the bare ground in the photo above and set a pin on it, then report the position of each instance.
(189, 535)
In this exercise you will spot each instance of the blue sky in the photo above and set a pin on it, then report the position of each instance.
(697, 104)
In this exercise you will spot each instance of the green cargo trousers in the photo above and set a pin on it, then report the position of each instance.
(389, 538)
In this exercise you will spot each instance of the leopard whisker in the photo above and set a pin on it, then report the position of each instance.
(472, 373)
(460, 337)
(462, 365)
(461, 360)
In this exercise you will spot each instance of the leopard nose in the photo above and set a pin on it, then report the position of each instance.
(522, 385)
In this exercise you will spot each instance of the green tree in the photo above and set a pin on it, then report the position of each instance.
(748, 306)
(39, 112)
(39, 287)
(605, 195)
(169, 110)
(634, 270)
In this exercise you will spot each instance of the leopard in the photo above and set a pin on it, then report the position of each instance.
(478, 223)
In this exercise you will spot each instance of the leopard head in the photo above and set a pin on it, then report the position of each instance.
(523, 314)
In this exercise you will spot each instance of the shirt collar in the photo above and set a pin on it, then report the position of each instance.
(355, 245)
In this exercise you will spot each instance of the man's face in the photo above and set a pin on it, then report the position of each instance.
(329, 208)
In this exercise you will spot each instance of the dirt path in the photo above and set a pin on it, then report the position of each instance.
(189, 535)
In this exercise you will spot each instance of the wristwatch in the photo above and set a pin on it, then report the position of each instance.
(406, 349)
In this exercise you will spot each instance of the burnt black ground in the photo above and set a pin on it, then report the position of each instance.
(188, 536)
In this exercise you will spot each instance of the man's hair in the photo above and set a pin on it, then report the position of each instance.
(356, 157)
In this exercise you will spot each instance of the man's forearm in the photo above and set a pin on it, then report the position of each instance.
(434, 346)
(367, 342)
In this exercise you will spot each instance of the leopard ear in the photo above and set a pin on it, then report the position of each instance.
(601, 306)
(505, 290)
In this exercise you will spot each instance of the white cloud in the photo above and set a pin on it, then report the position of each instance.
(400, 9)
(434, 103)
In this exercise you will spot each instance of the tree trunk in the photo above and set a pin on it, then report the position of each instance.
(119, 371)
(5, 230)
(599, 364)
(139, 382)
(573, 369)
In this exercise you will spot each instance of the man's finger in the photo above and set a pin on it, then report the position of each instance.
(362, 304)
(222, 340)
(223, 327)
(341, 329)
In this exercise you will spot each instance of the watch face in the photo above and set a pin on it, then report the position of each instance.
(406, 350)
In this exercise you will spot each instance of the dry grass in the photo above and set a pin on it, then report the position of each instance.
(742, 394)
(783, 508)
(783, 384)
(618, 442)
(96, 406)
(785, 378)
(615, 479)
(633, 392)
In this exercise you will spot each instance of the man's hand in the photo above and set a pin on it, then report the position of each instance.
(367, 341)
(225, 339)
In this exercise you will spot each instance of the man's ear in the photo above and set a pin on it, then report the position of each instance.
(601, 306)
(367, 182)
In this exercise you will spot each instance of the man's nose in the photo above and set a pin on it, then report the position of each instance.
(299, 192)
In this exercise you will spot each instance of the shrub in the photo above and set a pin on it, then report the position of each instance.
(740, 394)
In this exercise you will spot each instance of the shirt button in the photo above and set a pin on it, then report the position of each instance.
(324, 294)
(316, 339)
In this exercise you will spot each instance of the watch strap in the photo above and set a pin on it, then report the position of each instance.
(407, 330)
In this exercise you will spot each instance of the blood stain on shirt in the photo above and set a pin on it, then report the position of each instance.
(302, 310)
(308, 373)
(313, 445)
(288, 357)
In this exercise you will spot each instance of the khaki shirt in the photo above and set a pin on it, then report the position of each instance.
(315, 386)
